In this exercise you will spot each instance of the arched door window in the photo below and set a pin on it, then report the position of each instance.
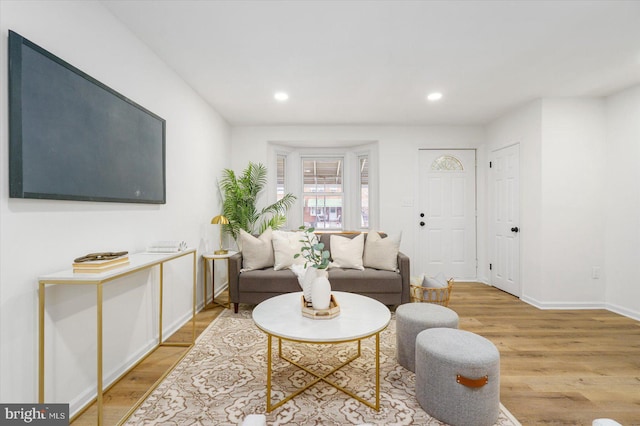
(446, 163)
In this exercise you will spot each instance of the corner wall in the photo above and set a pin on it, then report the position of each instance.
(622, 202)
(43, 236)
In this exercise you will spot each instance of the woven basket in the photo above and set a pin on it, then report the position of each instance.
(437, 295)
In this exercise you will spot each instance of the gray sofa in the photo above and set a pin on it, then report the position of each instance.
(252, 287)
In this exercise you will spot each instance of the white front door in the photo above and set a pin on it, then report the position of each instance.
(446, 222)
(504, 219)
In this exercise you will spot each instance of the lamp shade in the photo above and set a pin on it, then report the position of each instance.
(220, 220)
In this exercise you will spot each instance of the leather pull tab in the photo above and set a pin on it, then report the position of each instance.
(472, 383)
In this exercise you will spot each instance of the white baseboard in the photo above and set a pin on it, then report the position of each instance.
(562, 305)
(582, 305)
(623, 311)
(630, 313)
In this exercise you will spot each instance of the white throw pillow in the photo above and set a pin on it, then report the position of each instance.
(381, 253)
(286, 244)
(439, 281)
(347, 252)
(257, 253)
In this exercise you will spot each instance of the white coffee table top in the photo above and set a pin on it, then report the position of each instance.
(360, 317)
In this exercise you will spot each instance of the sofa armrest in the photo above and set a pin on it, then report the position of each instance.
(235, 265)
(405, 272)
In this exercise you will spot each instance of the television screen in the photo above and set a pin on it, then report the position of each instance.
(73, 138)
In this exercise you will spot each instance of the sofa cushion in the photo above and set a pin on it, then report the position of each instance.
(257, 253)
(366, 281)
(268, 281)
(286, 245)
(381, 253)
(347, 252)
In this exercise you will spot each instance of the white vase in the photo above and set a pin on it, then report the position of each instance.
(307, 283)
(321, 291)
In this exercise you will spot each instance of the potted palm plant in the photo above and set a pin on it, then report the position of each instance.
(240, 194)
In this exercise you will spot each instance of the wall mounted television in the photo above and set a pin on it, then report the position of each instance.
(73, 138)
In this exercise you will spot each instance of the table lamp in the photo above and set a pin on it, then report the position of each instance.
(220, 220)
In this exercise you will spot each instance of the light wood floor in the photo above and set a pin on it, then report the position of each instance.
(557, 367)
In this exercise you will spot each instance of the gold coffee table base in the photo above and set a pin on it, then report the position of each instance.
(321, 377)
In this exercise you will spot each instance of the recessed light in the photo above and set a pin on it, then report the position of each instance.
(435, 96)
(281, 96)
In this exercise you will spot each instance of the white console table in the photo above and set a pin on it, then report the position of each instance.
(137, 262)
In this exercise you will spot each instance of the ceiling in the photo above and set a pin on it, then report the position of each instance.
(374, 62)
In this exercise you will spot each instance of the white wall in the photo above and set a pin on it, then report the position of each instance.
(43, 236)
(622, 202)
(398, 162)
(572, 225)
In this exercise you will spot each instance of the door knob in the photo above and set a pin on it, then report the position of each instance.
(422, 223)
(515, 229)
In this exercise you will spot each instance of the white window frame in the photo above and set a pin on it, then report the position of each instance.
(284, 185)
(360, 156)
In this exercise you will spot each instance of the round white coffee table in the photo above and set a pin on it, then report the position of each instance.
(360, 317)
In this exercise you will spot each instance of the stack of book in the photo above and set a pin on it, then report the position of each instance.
(99, 266)
(167, 247)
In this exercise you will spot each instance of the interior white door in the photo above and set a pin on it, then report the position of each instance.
(505, 217)
(446, 219)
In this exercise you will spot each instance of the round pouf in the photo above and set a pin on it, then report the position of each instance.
(458, 377)
(411, 319)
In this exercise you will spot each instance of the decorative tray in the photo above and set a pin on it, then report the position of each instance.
(332, 312)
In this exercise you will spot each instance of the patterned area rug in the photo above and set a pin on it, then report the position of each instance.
(223, 379)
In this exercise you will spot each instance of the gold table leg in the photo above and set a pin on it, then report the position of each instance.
(269, 407)
(99, 350)
(41, 294)
(206, 270)
(321, 377)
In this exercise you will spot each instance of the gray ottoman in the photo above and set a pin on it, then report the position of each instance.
(458, 377)
(411, 319)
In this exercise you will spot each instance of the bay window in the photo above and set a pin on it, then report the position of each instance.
(336, 187)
